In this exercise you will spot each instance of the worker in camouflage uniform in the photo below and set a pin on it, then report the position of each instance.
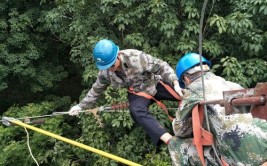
(139, 72)
(238, 139)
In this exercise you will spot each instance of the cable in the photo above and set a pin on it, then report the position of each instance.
(72, 142)
(202, 78)
(113, 108)
(200, 57)
(28, 144)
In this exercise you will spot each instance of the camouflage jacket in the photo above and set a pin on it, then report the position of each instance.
(239, 139)
(139, 70)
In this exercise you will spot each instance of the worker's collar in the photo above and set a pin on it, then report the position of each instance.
(124, 65)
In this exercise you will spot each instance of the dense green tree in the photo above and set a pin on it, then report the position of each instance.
(44, 45)
(32, 61)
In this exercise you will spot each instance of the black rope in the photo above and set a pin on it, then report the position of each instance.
(200, 58)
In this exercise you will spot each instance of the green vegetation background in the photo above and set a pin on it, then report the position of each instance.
(46, 66)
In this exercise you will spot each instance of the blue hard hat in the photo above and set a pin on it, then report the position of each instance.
(187, 62)
(105, 54)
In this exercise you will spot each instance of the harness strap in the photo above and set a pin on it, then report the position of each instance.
(172, 92)
(201, 136)
(160, 104)
(224, 163)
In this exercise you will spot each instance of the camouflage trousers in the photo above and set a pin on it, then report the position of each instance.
(184, 153)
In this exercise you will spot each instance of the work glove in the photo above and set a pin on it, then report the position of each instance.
(179, 90)
(74, 111)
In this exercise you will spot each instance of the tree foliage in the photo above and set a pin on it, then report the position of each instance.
(33, 62)
(46, 52)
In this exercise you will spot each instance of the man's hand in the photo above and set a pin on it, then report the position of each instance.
(74, 111)
(177, 88)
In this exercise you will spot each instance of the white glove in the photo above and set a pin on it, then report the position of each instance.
(179, 90)
(74, 111)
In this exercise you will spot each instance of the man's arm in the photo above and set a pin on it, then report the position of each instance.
(91, 97)
(162, 68)
(159, 67)
(97, 89)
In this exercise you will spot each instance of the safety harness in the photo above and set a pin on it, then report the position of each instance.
(159, 103)
(202, 137)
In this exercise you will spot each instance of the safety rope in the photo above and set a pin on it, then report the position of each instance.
(120, 107)
(202, 78)
(94, 111)
(200, 53)
(29, 147)
(58, 137)
(29, 119)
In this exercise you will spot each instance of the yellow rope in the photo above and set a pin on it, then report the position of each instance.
(105, 154)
